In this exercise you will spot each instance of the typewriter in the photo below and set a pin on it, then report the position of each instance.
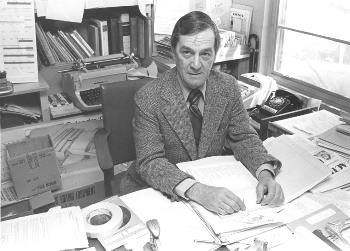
(82, 82)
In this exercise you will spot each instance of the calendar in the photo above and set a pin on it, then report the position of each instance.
(18, 54)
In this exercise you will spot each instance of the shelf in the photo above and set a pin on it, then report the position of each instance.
(41, 87)
(23, 88)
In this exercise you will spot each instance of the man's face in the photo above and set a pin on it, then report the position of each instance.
(194, 56)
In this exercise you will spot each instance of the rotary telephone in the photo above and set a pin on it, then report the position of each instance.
(278, 102)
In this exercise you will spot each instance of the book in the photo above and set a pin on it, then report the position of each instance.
(125, 19)
(68, 44)
(115, 34)
(93, 39)
(81, 43)
(103, 35)
(149, 36)
(44, 44)
(131, 229)
(141, 36)
(134, 35)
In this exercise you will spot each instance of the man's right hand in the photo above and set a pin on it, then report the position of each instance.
(216, 199)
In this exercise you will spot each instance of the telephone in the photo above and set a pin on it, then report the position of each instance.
(278, 102)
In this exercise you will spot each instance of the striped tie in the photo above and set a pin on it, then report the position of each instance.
(195, 114)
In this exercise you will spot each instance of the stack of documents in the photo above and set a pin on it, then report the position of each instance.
(335, 141)
(300, 172)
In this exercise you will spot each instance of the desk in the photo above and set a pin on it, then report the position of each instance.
(181, 226)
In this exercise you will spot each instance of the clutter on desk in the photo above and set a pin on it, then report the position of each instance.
(60, 229)
(110, 237)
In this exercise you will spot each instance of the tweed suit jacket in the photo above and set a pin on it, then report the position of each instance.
(163, 131)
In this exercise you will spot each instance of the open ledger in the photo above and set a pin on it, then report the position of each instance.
(300, 172)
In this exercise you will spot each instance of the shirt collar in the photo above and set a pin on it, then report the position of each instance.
(186, 91)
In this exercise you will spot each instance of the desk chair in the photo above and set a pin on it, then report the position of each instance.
(264, 123)
(115, 142)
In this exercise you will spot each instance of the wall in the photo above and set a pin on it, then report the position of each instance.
(257, 24)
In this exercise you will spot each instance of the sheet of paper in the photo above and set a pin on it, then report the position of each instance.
(167, 13)
(176, 221)
(340, 168)
(338, 197)
(297, 165)
(65, 10)
(41, 6)
(303, 240)
(45, 231)
(310, 124)
(239, 180)
(18, 54)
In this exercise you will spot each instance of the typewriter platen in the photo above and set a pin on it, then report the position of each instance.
(82, 82)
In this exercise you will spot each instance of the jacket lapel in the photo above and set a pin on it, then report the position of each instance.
(214, 109)
(176, 112)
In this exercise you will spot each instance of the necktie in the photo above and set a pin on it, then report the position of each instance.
(195, 114)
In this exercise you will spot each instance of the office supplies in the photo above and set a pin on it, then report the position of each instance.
(131, 228)
(82, 82)
(250, 86)
(316, 222)
(60, 229)
(278, 102)
(102, 219)
(309, 125)
(226, 171)
(6, 87)
(154, 228)
(344, 129)
(338, 228)
(33, 166)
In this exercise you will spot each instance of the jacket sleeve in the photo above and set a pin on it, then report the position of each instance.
(152, 166)
(242, 137)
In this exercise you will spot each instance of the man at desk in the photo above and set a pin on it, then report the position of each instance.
(187, 114)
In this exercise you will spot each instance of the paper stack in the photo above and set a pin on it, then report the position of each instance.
(336, 141)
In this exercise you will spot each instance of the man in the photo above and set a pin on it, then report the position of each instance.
(164, 134)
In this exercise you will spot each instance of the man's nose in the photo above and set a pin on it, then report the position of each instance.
(196, 64)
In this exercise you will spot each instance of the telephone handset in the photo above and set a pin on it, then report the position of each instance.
(278, 102)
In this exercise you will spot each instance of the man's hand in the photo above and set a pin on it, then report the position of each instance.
(216, 199)
(269, 188)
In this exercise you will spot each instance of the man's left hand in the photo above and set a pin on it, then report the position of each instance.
(268, 191)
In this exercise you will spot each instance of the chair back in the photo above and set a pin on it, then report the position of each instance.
(118, 112)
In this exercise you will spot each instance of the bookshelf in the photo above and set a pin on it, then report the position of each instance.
(26, 92)
(49, 80)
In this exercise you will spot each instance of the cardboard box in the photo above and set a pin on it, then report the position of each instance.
(33, 166)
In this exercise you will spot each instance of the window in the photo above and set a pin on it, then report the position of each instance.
(311, 49)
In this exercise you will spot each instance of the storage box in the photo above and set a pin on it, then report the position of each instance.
(33, 166)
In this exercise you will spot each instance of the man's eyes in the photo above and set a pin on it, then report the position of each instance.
(206, 55)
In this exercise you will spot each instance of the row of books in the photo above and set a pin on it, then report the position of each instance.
(114, 33)
(61, 46)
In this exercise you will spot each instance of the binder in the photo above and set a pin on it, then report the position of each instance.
(133, 36)
(125, 20)
(115, 35)
(103, 35)
(148, 37)
(93, 39)
(141, 36)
